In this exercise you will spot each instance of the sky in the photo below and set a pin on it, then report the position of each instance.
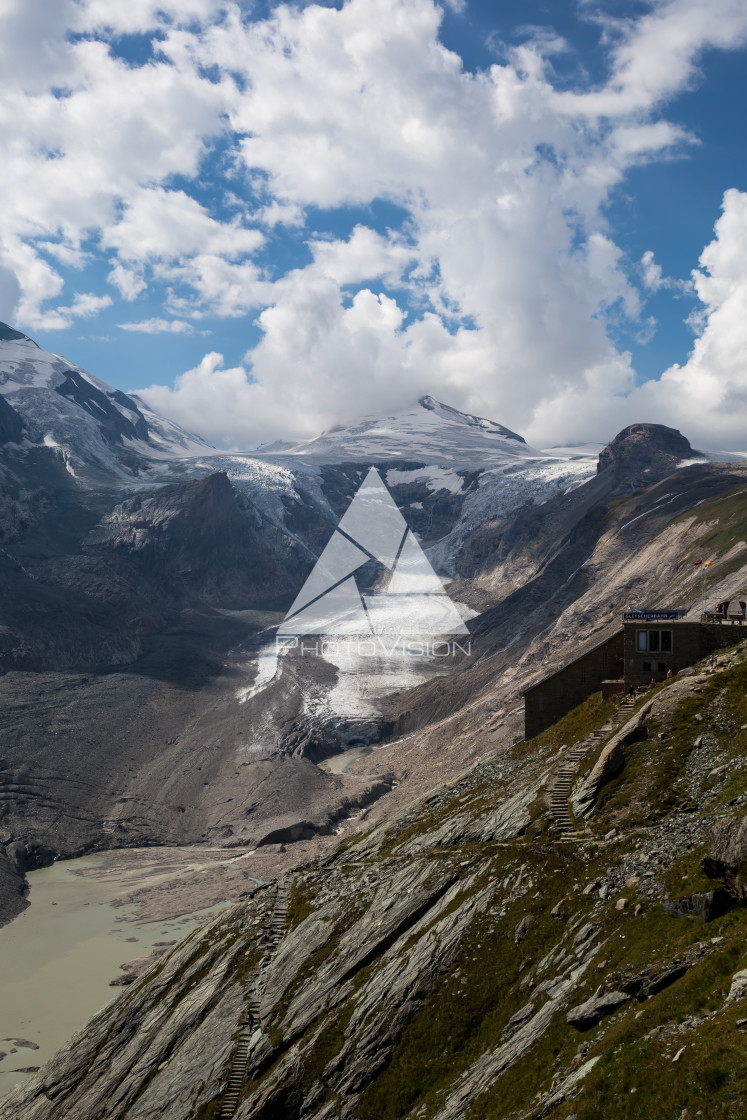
(268, 219)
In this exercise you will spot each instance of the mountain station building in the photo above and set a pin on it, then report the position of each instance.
(645, 649)
(658, 641)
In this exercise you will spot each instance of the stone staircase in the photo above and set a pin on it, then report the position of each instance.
(270, 936)
(560, 789)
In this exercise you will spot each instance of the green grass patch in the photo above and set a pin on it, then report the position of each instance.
(300, 904)
(729, 511)
(574, 726)
(328, 1043)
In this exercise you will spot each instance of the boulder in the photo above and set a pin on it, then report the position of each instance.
(729, 843)
(646, 984)
(738, 986)
(583, 934)
(727, 854)
(705, 905)
(522, 927)
(522, 1015)
(587, 1014)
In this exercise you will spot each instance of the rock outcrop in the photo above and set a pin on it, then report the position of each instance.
(609, 763)
(641, 449)
(589, 1013)
(12, 889)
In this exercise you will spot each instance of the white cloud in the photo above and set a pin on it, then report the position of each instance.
(158, 326)
(85, 305)
(129, 281)
(654, 278)
(141, 15)
(657, 55)
(707, 396)
(281, 214)
(499, 280)
(366, 255)
(161, 224)
(225, 288)
(210, 391)
(10, 293)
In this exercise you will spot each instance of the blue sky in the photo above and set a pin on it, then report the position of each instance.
(271, 219)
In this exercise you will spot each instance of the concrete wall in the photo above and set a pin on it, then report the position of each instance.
(690, 641)
(547, 702)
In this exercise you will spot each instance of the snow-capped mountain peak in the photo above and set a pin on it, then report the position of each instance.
(428, 431)
(63, 406)
(454, 416)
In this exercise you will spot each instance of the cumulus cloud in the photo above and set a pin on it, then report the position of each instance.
(654, 278)
(168, 224)
(85, 305)
(707, 396)
(140, 15)
(495, 287)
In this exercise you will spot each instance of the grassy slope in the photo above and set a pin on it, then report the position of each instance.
(636, 1077)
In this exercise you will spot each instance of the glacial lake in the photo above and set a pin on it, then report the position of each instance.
(58, 956)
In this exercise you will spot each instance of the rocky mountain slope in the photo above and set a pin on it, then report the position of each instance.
(142, 699)
(464, 958)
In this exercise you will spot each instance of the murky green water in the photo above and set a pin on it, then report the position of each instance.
(57, 958)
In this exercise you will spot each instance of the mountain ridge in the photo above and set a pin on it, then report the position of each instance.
(94, 425)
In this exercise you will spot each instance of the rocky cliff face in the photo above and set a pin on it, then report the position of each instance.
(11, 424)
(92, 578)
(465, 957)
(191, 541)
(642, 449)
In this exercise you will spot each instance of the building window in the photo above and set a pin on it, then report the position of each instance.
(658, 641)
(662, 667)
(647, 666)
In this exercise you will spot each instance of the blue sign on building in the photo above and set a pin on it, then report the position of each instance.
(653, 616)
